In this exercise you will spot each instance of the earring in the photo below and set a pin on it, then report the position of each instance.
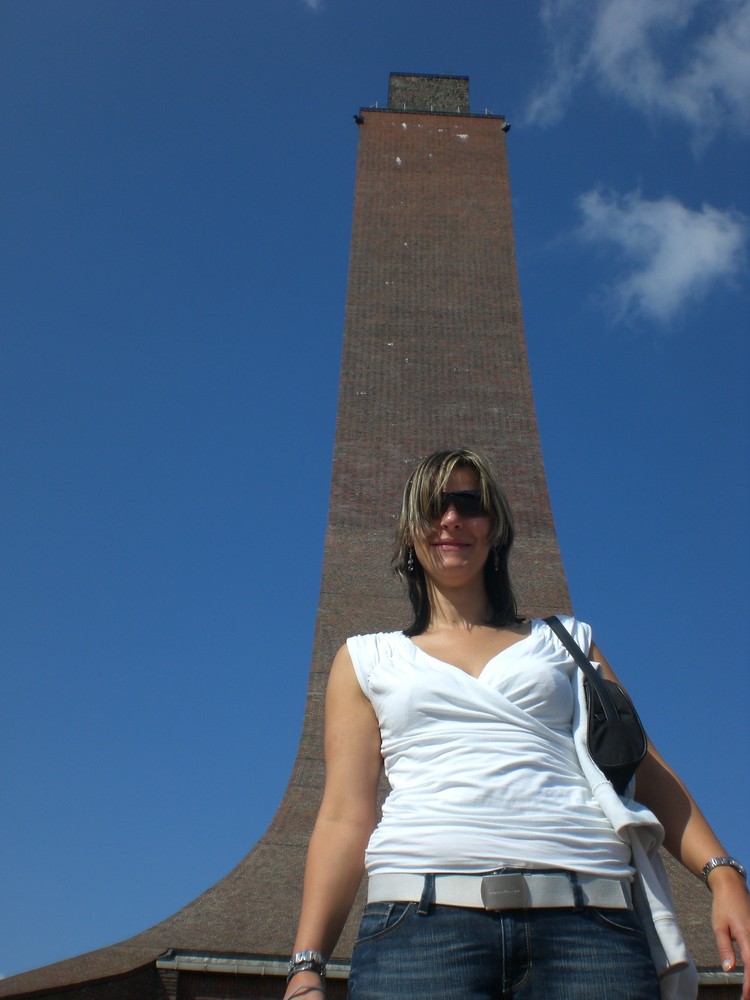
(410, 561)
(496, 562)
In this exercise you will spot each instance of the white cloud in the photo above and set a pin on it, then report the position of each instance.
(313, 4)
(687, 59)
(672, 255)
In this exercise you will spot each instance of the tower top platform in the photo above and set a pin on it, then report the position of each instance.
(426, 92)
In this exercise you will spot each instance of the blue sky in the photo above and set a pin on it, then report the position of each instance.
(176, 180)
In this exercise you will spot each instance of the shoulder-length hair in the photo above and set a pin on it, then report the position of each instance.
(422, 490)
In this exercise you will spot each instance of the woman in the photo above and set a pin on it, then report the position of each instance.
(471, 709)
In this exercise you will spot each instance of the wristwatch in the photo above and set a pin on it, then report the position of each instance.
(720, 862)
(307, 961)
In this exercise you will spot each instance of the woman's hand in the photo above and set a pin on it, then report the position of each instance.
(730, 918)
(305, 986)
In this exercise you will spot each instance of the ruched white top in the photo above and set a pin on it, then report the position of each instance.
(483, 770)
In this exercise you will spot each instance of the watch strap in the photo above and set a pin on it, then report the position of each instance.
(307, 961)
(721, 863)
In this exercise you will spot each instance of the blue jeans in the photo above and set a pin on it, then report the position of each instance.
(457, 953)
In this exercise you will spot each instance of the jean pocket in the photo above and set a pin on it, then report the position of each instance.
(380, 919)
(626, 921)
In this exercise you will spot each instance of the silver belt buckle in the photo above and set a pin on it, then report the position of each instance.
(504, 892)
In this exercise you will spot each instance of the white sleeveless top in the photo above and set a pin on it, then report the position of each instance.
(483, 770)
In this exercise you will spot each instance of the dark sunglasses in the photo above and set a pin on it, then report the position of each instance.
(468, 503)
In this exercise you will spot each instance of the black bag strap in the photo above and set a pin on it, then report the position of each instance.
(592, 675)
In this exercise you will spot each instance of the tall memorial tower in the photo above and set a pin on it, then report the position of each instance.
(434, 356)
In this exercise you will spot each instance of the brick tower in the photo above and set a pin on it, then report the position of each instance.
(434, 355)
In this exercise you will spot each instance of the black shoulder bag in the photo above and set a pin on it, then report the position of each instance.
(616, 739)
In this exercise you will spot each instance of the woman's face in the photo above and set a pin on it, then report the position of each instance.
(455, 548)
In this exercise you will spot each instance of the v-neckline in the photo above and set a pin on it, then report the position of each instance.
(454, 666)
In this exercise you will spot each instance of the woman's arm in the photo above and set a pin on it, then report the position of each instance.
(690, 839)
(347, 816)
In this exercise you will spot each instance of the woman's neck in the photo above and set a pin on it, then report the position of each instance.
(464, 609)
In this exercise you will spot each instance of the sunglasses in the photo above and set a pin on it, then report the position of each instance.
(468, 503)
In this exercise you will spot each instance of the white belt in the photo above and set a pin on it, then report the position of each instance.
(505, 890)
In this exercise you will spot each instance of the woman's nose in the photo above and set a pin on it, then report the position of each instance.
(450, 515)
